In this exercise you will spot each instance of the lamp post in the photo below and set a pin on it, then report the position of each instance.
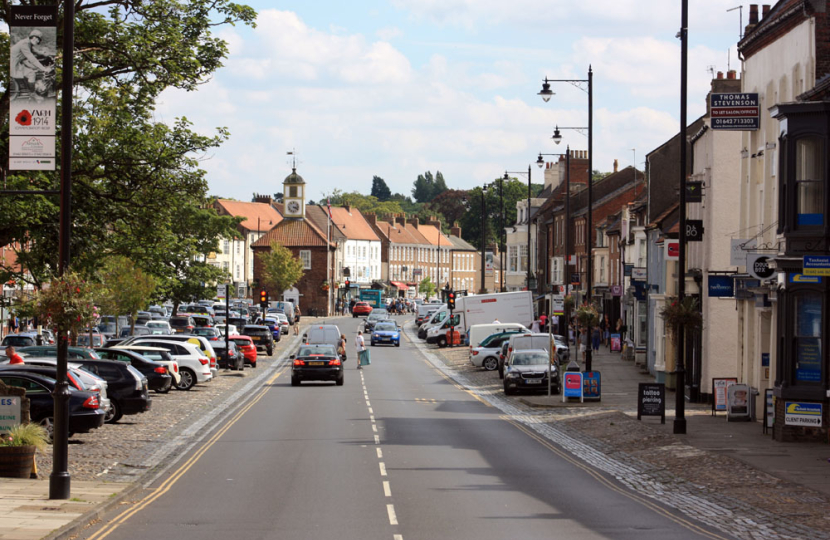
(529, 278)
(546, 94)
(483, 289)
(679, 426)
(566, 272)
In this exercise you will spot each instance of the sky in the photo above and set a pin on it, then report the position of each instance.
(398, 87)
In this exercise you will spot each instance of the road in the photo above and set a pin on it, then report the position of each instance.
(398, 452)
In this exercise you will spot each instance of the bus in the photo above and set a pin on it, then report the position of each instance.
(372, 297)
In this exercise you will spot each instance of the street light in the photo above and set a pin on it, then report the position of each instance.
(546, 94)
(483, 289)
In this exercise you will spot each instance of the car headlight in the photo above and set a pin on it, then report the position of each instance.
(511, 375)
(375, 336)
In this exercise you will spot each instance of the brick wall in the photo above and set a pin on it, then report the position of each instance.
(311, 295)
(784, 433)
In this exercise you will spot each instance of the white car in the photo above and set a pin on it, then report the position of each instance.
(224, 327)
(155, 325)
(194, 365)
(156, 354)
(200, 341)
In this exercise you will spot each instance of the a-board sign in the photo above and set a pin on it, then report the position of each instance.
(592, 385)
(572, 385)
(737, 402)
(769, 409)
(9, 412)
(719, 386)
(651, 401)
(616, 343)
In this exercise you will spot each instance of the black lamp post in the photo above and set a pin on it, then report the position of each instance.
(546, 94)
(483, 289)
(679, 426)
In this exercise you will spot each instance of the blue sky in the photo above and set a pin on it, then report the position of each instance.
(395, 88)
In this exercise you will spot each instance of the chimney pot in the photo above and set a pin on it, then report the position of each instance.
(753, 13)
(765, 11)
(616, 165)
(731, 74)
(720, 74)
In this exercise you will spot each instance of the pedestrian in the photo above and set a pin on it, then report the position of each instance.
(620, 328)
(360, 346)
(337, 308)
(496, 321)
(13, 324)
(351, 305)
(603, 327)
(543, 322)
(595, 338)
(13, 357)
(583, 342)
(341, 347)
(535, 327)
(571, 339)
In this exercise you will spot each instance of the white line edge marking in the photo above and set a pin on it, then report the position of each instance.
(368, 404)
(387, 491)
(382, 466)
(397, 537)
(393, 519)
(380, 453)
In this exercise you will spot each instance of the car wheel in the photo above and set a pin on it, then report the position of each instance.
(372, 343)
(188, 379)
(339, 382)
(398, 344)
(508, 391)
(442, 342)
(48, 424)
(114, 414)
(557, 389)
(295, 381)
(491, 364)
(270, 352)
(166, 388)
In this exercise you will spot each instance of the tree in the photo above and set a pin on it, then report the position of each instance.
(422, 189)
(278, 196)
(427, 287)
(440, 186)
(513, 190)
(132, 175)
(380, 190)
(280, 269)
(126, 288)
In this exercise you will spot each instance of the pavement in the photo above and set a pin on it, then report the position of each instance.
(731, 465)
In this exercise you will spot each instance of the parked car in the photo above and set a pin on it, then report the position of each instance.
(137, 331)
(52, 351)
(223, 329)
(528, 370)
(80, 379)
(230, 357)
(262, 337)
(98, 340)
(486, 354)
(127, 387)
(202, 320)
(194, 365)
(285, 325)
(212, 334)
(518, 342)
(246, 345)
(322, 333)
(182, 324)
(85, 413)
(158, 377)
(159, 327)
(386, 332)
(201, 342)
(361, 308)
(318, 362)
(17, 340)
(273, 325)
(160, 356)
(238, 322)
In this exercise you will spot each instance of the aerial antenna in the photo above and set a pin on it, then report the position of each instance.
(740, 20)
(711, 70)
(293, 154)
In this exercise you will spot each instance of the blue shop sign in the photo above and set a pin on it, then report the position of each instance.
(801, 278)
(721, 286)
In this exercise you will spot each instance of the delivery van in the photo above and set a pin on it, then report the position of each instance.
(479, 332)
(507, 307)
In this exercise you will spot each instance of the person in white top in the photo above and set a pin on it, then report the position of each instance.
(496, 321)
(535, 327)
(359, 345)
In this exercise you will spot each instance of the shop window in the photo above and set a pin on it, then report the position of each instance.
(809, 178)
(808, 337)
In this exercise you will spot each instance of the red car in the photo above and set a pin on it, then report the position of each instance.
(361, 308)
(246, 345)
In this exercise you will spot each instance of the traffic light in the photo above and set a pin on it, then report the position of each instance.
(263, 299)
(348, 283)
(451, 300)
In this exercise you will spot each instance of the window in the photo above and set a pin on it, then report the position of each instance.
(226, 248)
(305, 256)
(809, 179)
(237, 247)
(523, 258)
(807, 334)
(512, 259)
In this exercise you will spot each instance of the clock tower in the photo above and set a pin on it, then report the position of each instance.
(293, 195)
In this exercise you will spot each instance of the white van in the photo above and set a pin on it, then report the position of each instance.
(438, 333)
(423, 309)
(435, 319)
(322, 333)
(478, 332)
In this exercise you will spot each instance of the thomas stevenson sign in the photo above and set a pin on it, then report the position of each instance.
(736, 112)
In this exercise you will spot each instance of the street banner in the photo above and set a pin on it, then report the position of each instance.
(32, 95)
(488, 263)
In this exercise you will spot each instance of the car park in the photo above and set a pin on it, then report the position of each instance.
(230, 357)
(361, 308)
(85, 413)
(158, 376)
(387, 333)
(194, 365)
(262, 337)
(528, 370)
(316, 362)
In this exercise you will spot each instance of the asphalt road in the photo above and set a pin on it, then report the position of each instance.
(398, 452)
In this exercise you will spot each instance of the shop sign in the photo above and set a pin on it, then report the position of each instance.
(572, 386)
(798, 413)
(651, 401)
(616, 290)
(694, 230)
(9, 412)
(558, 304)
(740, 247)
(694, 191)
(719, 388)
(735, 111)
(672, 248)
(757, 266)
(616, 342)
(591, 385)
(639, 273)
(801, 278)
(737, 402)
(627, 269)
(721, 286)
(816, 265)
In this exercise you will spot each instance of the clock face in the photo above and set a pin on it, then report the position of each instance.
(293, 207)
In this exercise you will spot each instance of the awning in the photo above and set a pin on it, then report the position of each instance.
(401, 286)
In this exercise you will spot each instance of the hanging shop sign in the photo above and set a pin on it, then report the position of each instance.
(639, 273)
(740, 247)
(694, 230)
(721, 286)
(757, 266)
(735, 112)
(32, 97)
(694, 192)
(672, 248)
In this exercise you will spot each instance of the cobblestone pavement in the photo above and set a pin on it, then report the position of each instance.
(719, 490)
(121, 452)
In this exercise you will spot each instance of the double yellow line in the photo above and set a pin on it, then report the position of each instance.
(167, 484)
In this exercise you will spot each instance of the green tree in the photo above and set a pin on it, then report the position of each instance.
(132, 175)
(427, 287)
(439, 186)
(280, 269)
(126, 288)
(422, 189)
(380, 190)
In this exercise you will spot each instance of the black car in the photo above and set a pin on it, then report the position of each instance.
(262, 337)
(158, 378)
(84, 412)
(316, 363)
(230, 358)
(528, 371)
(127, 387)
(202, 320)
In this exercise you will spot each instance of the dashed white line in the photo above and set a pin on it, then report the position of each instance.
(377, 439)
(380, 453)
(372, 417)
(374, 428)
(393, 519)
(368, 404)
(371, 411)
(387, 491)
(397, 537)
(382, 466)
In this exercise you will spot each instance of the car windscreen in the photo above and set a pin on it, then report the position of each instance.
(317, 351)
(530, 359)
(386, 327)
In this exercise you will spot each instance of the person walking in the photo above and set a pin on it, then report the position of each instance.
(13, 357)
(341, 348)
(595, 338)
(583, 342)
(535, 327)
(360, 346)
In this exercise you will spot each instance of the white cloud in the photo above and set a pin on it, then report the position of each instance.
(389, 33)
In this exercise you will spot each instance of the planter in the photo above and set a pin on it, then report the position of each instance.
(16, 461)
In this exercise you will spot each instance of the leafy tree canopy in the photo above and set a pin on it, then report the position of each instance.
(380, 190)
(426, 187)
(280, 269)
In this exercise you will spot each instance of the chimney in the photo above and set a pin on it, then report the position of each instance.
(720, 74)
(765, 11)
(372, 219)
(434, 222)
(414, 221)
(732, 74)
(753, 14)
(266, 199)
(455, 230)
(616, 166)
(400, 219)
